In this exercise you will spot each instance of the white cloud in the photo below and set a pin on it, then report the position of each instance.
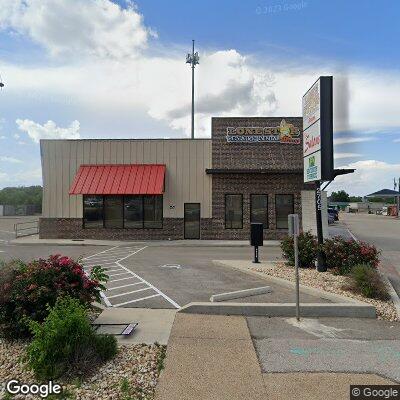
(396, 141)
(78, 27)
(370, 176)
(347, 140)
(32, 176)
(103, 77)
(11, 160)
(346, 155)
(16, 136)
(49, 130)
(2, 137)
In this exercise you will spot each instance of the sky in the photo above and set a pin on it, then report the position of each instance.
(116, 69)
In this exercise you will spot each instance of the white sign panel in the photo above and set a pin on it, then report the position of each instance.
(312, 167)
(312, 139)
(311, 105)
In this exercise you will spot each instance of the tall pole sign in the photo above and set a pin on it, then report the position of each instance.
(318, 145)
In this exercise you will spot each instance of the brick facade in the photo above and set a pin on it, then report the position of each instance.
(247, 184)
(281, 165)
(72, 228)
(271, 156)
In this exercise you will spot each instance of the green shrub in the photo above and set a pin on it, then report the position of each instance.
(307, 250)
(343, 255)
(366, 280)
(27, 289)
(66, 344)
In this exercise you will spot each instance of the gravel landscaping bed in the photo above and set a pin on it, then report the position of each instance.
(132, 374)
(330, 283)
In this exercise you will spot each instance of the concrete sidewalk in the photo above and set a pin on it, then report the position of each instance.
(154, 325)
(210, 357)
(34, 240)
(213, 357)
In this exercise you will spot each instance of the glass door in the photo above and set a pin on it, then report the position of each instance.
(192, 221)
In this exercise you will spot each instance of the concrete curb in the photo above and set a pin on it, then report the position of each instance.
(393, 294)
(337, 298)
(312, 310)
(240, 293)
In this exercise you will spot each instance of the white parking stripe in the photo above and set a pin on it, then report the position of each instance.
(106, 301)
(134, 301)
(129, 284)
(121, 279)
(122, 273)
(112, 270)
(110, 260)
(124, 294)
(101, 252)
(176, 305)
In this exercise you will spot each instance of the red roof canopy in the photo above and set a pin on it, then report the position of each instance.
(119, 179)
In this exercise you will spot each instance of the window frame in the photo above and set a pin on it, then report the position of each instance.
(83, 211)
(276, 209)
(141, 198)
(251, 208)
(162, 210)
(233, 194)
(103, 225)
(104, 212)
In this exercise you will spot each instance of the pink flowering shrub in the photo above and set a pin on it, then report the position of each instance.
(30, 289)
(343, 255)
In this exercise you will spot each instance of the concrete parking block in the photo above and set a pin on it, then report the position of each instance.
(246, 267)
(154, 325)
(317, 386)
(238, 294)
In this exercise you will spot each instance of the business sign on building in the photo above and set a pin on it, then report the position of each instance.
(284, 133)
(318, 131)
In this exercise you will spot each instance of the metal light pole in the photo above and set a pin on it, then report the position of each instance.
(193, 60)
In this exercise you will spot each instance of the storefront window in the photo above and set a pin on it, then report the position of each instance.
(233, 211)
(284, 205)
(259, 209)
(113, 212)
(93, 211)
(133, 212)
(153, 212)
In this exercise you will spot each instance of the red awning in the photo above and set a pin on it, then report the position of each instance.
(119, 179)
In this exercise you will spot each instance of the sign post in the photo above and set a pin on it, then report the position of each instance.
(318, 146)
(294, 230)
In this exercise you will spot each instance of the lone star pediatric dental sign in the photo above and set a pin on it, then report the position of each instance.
(284, 133)
(318, 131)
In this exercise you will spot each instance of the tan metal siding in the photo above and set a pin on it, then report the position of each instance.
(186, 180)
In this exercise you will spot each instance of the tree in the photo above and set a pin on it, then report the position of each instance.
(355, 199)
(341, 195)
(22, 195)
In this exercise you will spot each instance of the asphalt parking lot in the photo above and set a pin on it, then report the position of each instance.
(156, 277)
(151, 275)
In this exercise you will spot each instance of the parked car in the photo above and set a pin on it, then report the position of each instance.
(334, 213)
(331, 218)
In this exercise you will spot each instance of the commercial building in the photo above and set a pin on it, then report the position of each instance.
(251, 170)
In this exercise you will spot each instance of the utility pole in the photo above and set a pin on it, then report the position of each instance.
(193, 60)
